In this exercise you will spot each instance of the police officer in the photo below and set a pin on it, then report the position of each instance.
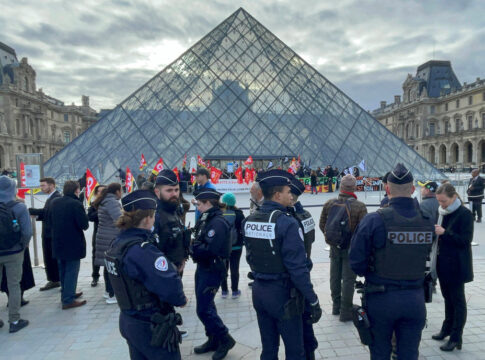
(173, 237)
(390, 248)
(276, 255)
(210, 250)
(307, 226)
(146, 285)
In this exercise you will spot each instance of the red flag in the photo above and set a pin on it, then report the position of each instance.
(22, 175)
(184, 163)
(249, 161)
(200, 162)
(253, 174)
(291, 171)
(21, 193)
(143, 163)
(247, 176)
(176, 171)
(238, 174)
(129, 180)
(215, 175)
(298, 164)
(158, 167)
(90, 184)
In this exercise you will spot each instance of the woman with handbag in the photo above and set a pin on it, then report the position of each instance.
(454, 263)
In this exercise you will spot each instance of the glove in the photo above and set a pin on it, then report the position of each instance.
(315, 313)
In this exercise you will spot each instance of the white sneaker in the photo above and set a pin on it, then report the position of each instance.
(111, 300)
(106, 295)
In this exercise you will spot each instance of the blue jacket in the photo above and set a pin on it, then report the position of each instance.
(207, 185)
(149, 266)
(292, 251)
(371, 234)
(214, 242)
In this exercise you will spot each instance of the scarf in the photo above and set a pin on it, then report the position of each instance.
(434, 249)
(348, 193)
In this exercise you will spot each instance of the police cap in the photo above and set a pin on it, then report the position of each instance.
(207, 194)
(139, 200)
(167, 177)
(272, 178)
(296, 187)
(400, 175)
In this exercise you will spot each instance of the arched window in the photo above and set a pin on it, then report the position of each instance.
(67, 137)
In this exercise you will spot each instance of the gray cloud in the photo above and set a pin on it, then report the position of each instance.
(366, 48)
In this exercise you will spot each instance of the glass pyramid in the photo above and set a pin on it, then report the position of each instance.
(239, 91)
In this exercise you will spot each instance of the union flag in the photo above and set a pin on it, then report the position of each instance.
(158, 167)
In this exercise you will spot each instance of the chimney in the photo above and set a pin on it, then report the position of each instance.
(383, 104)
(85, 100)
(397, 99)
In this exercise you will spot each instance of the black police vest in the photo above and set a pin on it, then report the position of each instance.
(307, 225)
(174, 240)
(263, 248)
(408, 243)
(200, 232)
(131, 294)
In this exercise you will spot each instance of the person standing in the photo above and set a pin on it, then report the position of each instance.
(15, 234)
(48, 186)
(475, 194)
(210, 249)
(394, 270)
(69, 220)
(276, 254)
(429, 204)
(256, 199)
(145, 283)
(342, 278)
(313, 182)
(173, 237)
(109, 210)
(307, 227)
(235, 218)
(202, 177)
(93, 217)
(454, 263)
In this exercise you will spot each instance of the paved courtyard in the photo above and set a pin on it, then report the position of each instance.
(91, 332)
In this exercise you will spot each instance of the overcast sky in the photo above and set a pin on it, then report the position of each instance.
(107, 49)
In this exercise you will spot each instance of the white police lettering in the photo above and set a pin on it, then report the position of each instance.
(211, 233)
(111, 267)
(308, 225)
(410, 237)
(260, 230)
(161, 263)
(301, 233)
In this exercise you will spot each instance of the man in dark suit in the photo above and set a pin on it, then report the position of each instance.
(68, 220)
(48, 186)
(475, 194)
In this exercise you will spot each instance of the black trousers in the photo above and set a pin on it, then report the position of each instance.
(233, 265)
(51, 266)
(107, 283)
(455, 309)
(477, 209)
(95, 273)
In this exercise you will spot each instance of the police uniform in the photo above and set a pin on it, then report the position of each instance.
(147, 287)
(307, 226)
(390, 248)
(173, 236)
(210, 250)
(276, 255)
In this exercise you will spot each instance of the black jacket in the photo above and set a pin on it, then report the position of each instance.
(475, 189)
(43, 214)
(455, 264)
(68, 220)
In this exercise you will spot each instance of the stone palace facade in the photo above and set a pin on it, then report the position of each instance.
(31, 121)
(439, 117)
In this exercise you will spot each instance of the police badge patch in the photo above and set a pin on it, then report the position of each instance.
(211, 233)
(161, 264)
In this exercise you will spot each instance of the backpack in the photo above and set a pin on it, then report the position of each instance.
(9, 232)
(230, 216)
(337, 228)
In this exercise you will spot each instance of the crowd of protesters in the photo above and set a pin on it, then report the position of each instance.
(64, 220)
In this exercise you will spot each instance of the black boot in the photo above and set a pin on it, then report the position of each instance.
(450, 346)
(441, 335)
(226, 343)
(209, 345)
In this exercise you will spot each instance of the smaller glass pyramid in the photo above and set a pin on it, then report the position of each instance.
(239, 91)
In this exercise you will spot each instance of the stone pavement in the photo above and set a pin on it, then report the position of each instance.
(91, 332)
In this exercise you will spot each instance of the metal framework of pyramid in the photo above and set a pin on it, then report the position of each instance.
(239, 91)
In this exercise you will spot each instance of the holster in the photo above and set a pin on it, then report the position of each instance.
(428, 289)
(362, 324)
(165, 333)
(295, 305)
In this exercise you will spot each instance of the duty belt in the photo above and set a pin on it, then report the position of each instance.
(370, 288)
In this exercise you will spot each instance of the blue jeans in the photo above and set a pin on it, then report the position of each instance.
(68, 271)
